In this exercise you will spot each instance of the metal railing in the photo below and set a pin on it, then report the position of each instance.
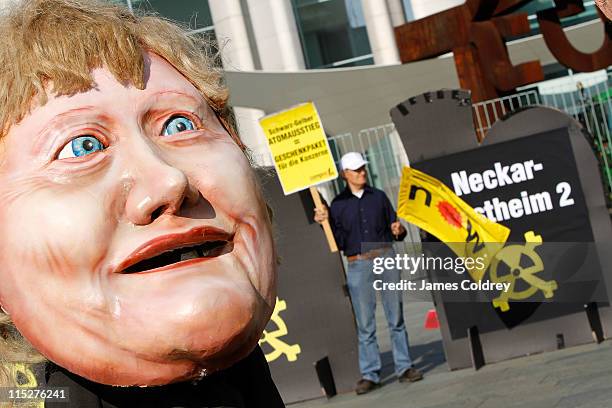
(488, 112)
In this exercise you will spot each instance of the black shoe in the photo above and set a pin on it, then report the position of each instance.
(364, 386)
(411, 375)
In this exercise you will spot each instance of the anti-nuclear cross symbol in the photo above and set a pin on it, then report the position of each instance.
(272, 338)
(509, 259)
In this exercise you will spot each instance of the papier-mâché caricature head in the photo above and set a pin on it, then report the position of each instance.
(135, 244)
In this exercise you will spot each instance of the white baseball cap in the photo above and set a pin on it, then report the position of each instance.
(352, 161)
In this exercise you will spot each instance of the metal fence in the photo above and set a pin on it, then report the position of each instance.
(488, 112)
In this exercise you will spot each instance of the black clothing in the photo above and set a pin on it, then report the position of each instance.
(247, 384)
(368, 219)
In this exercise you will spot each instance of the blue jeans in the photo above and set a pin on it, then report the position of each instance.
(360, 281)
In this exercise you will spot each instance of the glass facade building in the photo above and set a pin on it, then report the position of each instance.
(333, 33)
(194, 14)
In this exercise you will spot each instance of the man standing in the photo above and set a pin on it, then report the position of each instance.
(365, 225)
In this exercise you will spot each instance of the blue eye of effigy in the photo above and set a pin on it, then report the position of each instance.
(178, 124)
(81, 146)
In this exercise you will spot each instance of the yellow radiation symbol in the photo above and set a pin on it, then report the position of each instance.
(26, 379)
(273, 338)
(511, 256)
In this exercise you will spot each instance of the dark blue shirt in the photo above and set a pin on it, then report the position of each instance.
(362, 220)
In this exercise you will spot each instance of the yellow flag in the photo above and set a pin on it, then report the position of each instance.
(429, 204)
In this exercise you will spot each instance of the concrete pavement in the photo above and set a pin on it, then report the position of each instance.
(577, 377)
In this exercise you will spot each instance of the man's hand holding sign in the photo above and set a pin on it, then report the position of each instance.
(321, 214)
(397, 229)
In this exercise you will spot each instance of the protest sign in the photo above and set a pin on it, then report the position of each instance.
(299, 148)
(301, 153)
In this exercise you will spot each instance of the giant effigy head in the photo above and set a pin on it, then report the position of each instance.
(135, 245)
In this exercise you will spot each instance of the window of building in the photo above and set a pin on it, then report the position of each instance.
(333, 33)
(408, 13)
(191, 14)
(194, 14)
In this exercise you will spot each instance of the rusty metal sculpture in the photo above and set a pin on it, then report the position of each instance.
(476, 31)
(563, 50)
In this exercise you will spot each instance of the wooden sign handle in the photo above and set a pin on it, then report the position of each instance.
(326, 227)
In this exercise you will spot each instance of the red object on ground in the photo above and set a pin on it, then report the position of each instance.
(431, 320)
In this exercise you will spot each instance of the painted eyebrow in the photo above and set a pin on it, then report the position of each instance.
(47, 127)
(197, 100)
(71, 112)
(153, 112)
(174, 92)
